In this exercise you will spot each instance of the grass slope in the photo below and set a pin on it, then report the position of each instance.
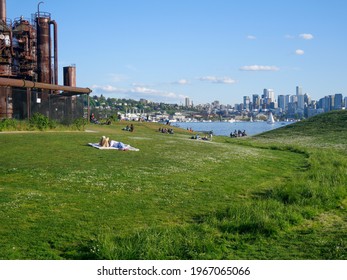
(273, 196)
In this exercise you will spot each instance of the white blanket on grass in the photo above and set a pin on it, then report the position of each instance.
(114, 147)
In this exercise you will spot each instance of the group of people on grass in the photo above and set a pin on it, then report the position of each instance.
(129, 128)
(238, 133)
(198, 137)
(166, 130)
(208, 136)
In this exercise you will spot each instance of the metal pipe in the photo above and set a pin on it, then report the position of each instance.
(7, 82)
(38, 8)
(3, 10)
(53, 22)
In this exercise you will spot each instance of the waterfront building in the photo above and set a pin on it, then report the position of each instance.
(187, 102)
(282, 102)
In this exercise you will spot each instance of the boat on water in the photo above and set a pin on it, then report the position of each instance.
(270, 119)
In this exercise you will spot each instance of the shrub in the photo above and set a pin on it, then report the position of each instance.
(80, 123)
(8, 124)
(41, 122)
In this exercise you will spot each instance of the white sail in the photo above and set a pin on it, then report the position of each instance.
(270, 119)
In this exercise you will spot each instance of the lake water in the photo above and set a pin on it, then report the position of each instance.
(224, 128)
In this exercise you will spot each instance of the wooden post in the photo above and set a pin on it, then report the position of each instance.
(88, 117)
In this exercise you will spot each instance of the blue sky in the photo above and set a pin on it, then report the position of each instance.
(207, 50)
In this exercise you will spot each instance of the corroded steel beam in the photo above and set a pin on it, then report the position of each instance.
(30, 84)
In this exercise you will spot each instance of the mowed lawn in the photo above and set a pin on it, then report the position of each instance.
(58, 195)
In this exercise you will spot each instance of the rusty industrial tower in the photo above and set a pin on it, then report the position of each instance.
(29, 69)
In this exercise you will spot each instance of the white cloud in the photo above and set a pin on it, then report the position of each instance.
(306, 36)
(259, 68)
(251, 37)
(218, 80)
(181, 82)
(149, 93)
(137, 92)
(106, 89)
(299, 52)
(144, 90)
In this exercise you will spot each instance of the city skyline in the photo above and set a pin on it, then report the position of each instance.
(205, 50)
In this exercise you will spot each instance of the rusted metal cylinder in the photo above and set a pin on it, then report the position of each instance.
(70, 80)
(69, 76)
(44, 69)
(3, 10)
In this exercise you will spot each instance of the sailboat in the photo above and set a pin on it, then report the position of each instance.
(270, 119)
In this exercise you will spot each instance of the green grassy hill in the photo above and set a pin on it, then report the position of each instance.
(279, 195)
(329, 129)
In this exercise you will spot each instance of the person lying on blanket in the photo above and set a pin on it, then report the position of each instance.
(106, 142)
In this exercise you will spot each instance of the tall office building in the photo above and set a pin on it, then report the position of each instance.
(269, 95)
(298, 90)
(187, 102)
(327, 103)
(301, 102)
(293, 99)
(287, 100)
(282, 102)
(272, 95)
(256, 101)
(331, 102)
(246, 102)
(338, 101)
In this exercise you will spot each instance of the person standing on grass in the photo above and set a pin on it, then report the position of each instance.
(131, 128)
